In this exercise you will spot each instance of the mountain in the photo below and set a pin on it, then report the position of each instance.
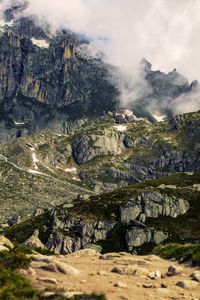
(104, 179)
(48, 82)
(78, 169)
(162, 90)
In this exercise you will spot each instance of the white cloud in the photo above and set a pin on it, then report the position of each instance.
(166, 32)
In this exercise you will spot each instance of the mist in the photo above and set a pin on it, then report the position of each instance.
(164, 32)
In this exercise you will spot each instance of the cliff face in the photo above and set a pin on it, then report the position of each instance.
(44, 80)
(47, 81)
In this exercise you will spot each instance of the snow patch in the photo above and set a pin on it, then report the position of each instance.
(35, 172)
(34, 159)
(76, 179)
(40, 43)
(120, 128)
(128, 113)
(159, 118)
(71, 170)
(19, 123)
(3, 23)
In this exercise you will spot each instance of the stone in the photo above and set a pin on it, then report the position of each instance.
(128, 142)
(187, 284)
(67, 269)
(142, 218)
(147, 286)
(174, 270)
(131, 261)
(48, 294)
(195, 276)
(42, 258)
(86, 252)
(97, 248)
(5, 242)
(120, 285)
(102, 273)
(60, 268)
(39, 211)
(50, 268)
(130, 270)
(110, 256)
(14, 220)
(3, 248)
(4, 226)
(31, 271)
(141, 272)
(135, 237)
(129, 212)
(48, 280)
(70, 295)
(159, 237)
(34, 242)
(87, 147)
(152, 257)
(154, 275)
(83, 281)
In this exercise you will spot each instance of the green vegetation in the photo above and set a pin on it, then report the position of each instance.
(180, 252)
(106, 205)
(12, 285)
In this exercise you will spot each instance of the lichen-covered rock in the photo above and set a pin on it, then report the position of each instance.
(136, 237)
(85, 148)
(5, 242)
(34, 243)
(153, 204)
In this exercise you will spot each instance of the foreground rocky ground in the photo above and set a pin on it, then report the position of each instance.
(120, 276)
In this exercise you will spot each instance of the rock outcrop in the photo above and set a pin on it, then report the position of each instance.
(153, 204)
(88, 147)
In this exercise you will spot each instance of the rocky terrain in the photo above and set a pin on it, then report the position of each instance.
(91, 192)
(115, 186)
(89, 275)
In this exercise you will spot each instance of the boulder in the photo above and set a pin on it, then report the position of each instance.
(87, 147)
(154, 275)
(187, 284)
(130, 270)
(195, 276)
(3, 248)
(86, 252)
(152, 204)
(48, 280)
(120, 285)
(5, 242)
(58, 267)
(174, 270)
(159, 237)
(34, 243)
(135, 237)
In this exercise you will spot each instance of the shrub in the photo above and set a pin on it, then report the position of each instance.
(184, 252)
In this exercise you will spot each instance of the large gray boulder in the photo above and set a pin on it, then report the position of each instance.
(153, 204)
(87, 147)
(136, 237)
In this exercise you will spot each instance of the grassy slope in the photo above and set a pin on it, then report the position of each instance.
(106, 207)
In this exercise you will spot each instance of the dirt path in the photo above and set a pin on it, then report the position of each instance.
(96, 276)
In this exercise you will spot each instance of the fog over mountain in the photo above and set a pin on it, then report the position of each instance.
(164, 32)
